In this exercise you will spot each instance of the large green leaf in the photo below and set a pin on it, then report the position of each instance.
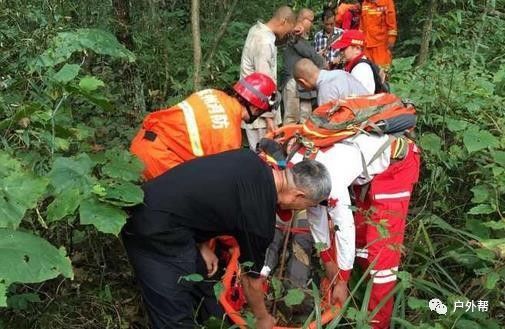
(18, 193)
(28, 258)
(72, 173)
(499, 157)
(64, 204)
(480, 193)
(123, 165)
(3, 294)
(90, 83)
(476, 140)
(123, 193)
(431, 143)
(294, 297)
(67, 73)
(104, 217)
(481, 209)
(67, 43)
(456, 125)
(8, 164)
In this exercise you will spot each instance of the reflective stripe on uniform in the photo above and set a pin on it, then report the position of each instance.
(384, 276)
(386, 279)
(362, 253)
(386, 272)
(384, 196)
(194, 135)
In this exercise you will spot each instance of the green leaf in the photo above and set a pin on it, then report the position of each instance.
(29, 259)
(18, 193)
(416, 303)
(294, 297)
(495, 225)
(123, 194)
(456, 125)
(67, 43)
(3, 294)
(431, 143)
(499, 157)
(492, 279)
(8, 164)
(496, 245)
(64, 204)
(123, 165)
(21, 301)
(482, 209)
(476, 140)
(72, 173)
(485, 254)
(67, 73)
(466, 324)
(218, 289)
(277, 287)
(247, 265)
(90, 83)
(480, 193)
(104, 217)
(194, 277)
(477, 227)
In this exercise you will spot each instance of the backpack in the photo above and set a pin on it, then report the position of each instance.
(339, 119)
(380, 84)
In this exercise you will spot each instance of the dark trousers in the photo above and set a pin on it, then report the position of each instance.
(171, 302)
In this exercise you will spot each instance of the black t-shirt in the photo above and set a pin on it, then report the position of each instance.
(231, 193)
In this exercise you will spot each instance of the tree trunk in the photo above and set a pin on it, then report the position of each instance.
(122, 10)
(197, 47)
(426, 37)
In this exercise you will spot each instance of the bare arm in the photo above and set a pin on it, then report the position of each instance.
(253, 290)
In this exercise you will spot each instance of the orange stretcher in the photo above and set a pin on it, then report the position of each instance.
(232, 298)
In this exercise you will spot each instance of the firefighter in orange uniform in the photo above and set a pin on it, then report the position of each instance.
(378, 22)
(207, 122)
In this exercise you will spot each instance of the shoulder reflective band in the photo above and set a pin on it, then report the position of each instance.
(255, 91)
(194, 135)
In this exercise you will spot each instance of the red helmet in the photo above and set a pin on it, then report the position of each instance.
(349, 38)
(258, 89)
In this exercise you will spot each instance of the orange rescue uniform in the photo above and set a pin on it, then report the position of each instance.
(378, 22)
(207, 122)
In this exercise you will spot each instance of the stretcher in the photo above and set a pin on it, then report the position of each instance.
(232, 298)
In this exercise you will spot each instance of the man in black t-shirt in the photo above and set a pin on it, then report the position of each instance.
(233, 193)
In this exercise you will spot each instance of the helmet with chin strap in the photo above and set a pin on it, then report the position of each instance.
(259, 90)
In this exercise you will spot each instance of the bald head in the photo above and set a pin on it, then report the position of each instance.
(306, 73)
(282, 22)
(304, 22)
(305, 13)
(285, 13)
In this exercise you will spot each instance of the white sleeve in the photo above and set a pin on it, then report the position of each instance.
(318, 222)
(364, 74)
(345, 232)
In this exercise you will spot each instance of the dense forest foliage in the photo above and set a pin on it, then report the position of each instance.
(77, 77)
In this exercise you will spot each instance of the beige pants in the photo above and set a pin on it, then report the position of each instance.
(296, 110)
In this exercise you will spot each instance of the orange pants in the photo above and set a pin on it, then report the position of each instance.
(380, 55)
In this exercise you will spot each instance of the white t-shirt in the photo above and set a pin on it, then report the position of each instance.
(364, 74)
(344, 162)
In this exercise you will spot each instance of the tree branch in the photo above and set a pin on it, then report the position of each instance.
(220, 34)
(197, 47)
